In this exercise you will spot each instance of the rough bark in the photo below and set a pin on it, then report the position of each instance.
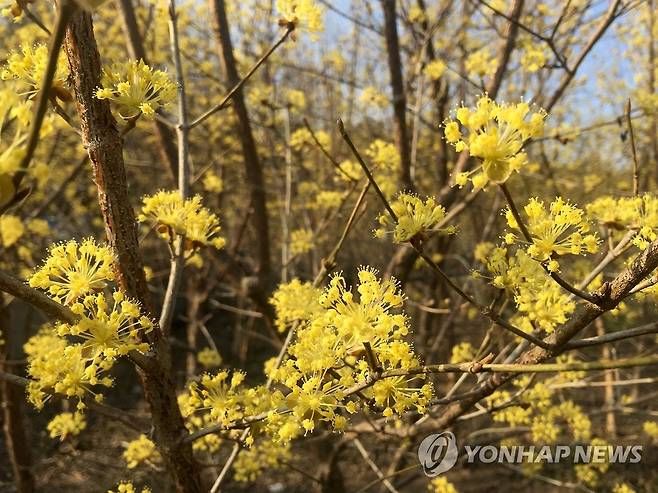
(253, 168)
(399, 97)
(104, 145)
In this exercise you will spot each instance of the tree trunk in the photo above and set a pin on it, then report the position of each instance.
(252, 164)
(104, 145)
(11, 398)
(399, 98)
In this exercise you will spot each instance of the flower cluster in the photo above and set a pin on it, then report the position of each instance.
(494, 133)
(141, 451)
(77, 274)
(28, 68)
(66, 424)
(136, 88)
(541, 300)
(73, 270)
(540, 408)
(295, 301)
(385, 160)
(56, 366)
(416, 218)
(560, 230)
(301, 241)
(220, 394)
(107, 331)
(175, 216)
(325, 372)
(305, 15)
(128, 487)
(209, 358)
(628, 213)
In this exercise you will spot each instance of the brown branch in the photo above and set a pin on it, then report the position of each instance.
(105, 148)
(397, 86)
(253, 168)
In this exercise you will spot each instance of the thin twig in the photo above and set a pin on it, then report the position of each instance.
(417, 246)
(182, 134)
(631, 134)
(224, 102)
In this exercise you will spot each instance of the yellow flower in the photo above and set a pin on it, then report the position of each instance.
(212, 183)
(128, 487)
(108, 331)
(11, 229)
(442, 485)
(74, 270)
(189, 218)
(462, 353)
(560, 230)
(305, 15)
(136, 88)
(416, 217)
(435, 70)
(209, 358)
(301, 241)
(495, 133)
(141, 451)
(295, 301)
(29, 66)
(66, 424)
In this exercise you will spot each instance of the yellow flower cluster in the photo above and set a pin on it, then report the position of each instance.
(128, 487)
(370, 95)
(542, 410)
(136, 88)
(212, 182)
(622, 488)
(435, 70)
(302, 137)
(54, 365)
(108, 333)
(266, 455)
(385, 161)
(481, 63)
(73, 270)
(77, 274)
(494, 133)
(14, 115)
(301, 241)
(651, 429)
(416, 218)
(295, 301)
(66, 424)
(462, 353)
(442, 485)
(533, 57)
(560, 230)
(540, 299)
(305, 15)
(626, 213)
(141, 451)
(175, 216)
(209, 358)
(220, 394)
(326, 360)
(29, 66)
